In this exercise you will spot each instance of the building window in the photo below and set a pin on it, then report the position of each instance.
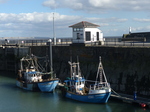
(81, 29)
(97, 34)
(88, 36)
(77, 29)
(74, 29)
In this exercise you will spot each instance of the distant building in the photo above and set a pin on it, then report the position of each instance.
(139, 36)
(84, 32)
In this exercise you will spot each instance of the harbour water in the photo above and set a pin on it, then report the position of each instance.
(14, 99)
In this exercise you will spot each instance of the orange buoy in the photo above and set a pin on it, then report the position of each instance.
(143, 105)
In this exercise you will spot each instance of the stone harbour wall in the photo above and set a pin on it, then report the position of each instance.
(126, 68)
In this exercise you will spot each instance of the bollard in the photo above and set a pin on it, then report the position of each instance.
(135, 96)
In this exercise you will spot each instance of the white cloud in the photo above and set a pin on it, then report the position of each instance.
(41, 24)
(34, 17)
(50, 3)
(99, 6)
(99, 3)
(122, 20)
(141, 20)
(34, 24)
(74, 4)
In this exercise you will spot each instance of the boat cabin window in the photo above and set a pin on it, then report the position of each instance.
(72, 83)
(31, 75)
(80, 83)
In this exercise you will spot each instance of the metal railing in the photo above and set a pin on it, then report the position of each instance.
(38, 42)
(68, 41)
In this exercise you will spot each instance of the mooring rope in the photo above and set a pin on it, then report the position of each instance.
(115, 92)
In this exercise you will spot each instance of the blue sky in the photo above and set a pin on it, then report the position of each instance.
(34, 18)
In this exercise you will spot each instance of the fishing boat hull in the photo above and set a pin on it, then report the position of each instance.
(27, 86)
(48, 86)
(90, 98)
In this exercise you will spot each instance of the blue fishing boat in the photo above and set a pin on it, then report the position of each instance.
(78, 88)
(48, 86)
(33, 77)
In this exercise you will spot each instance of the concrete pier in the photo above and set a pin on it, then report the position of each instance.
(142, 102)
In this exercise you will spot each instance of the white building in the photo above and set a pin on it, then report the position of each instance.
(85, 32)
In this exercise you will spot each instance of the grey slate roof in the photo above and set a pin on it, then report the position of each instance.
(84, 24)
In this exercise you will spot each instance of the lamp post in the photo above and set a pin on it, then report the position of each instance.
(54, 30)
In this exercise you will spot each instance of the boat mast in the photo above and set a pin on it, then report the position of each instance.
(78, 71)
(74, 69)
(99, 71)
(51, 63)
(71, 71)
(21, 67)
(71, 67)
(102, 72)
(50, 47)
(100, 68)
(77, 66)
(54, 30)
(105, 77)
